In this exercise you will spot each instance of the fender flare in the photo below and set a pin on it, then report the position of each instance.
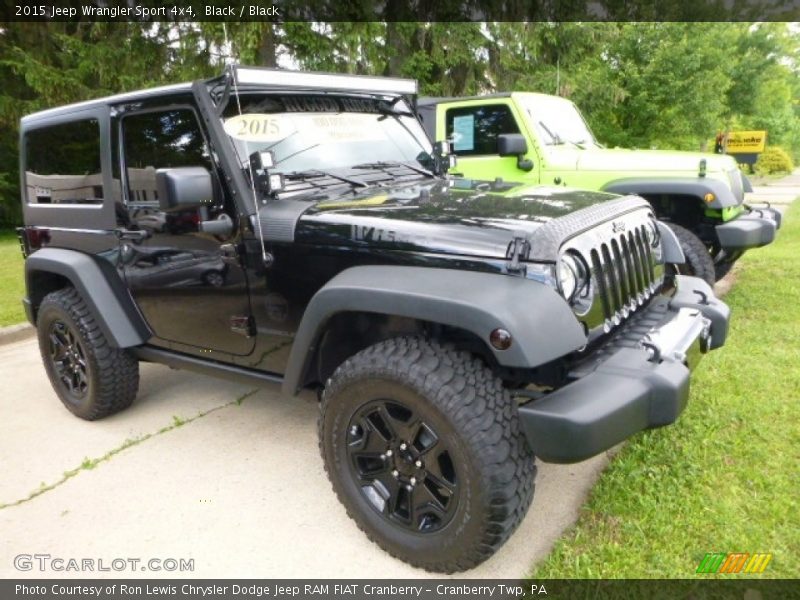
(670, 245)
(541, 322)
(683, 186)
(101, 288)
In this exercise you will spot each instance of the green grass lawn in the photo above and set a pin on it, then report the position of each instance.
(726, 476)
(12, 284)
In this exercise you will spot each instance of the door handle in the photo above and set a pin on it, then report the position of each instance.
(135, 235)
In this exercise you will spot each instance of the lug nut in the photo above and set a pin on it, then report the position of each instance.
(403, 446)
(409, 487)
(389, 452)
(418, 464)
(395, 474)
(353, 430)
(413, 481)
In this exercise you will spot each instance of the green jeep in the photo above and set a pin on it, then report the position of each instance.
(536, 138)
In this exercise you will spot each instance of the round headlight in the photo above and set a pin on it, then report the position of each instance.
(653, 238)
(652, 233)
(571, 275)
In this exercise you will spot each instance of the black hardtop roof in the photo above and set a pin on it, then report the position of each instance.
(282, 80)
(430, 100)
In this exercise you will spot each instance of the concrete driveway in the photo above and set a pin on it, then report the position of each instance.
(779, 192)
(203, 469)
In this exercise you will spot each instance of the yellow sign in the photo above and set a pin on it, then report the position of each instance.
(745, 142)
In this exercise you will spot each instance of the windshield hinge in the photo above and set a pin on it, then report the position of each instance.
(226, 93)
(518, 248)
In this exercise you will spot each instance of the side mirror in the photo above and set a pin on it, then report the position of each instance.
(511, 144)
(514, 144)
(184, 187)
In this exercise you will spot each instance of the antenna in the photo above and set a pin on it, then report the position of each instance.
(257, 216)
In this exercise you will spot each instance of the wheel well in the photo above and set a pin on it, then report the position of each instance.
(41, 283)
(687, 211)
(347, 333)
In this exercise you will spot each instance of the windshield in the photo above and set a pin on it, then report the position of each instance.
(557, 121)
(325, 132)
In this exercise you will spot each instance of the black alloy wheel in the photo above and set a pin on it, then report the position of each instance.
(68, 359)
(403, 468)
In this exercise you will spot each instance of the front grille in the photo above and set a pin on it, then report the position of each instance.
(622, 269)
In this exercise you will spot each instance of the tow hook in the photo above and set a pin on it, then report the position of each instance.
(703, 297)
(655, 351)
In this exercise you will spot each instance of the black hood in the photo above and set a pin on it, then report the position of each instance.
(461, 217)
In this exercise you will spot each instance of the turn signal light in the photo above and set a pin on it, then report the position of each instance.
(709, 197)
(500, 339)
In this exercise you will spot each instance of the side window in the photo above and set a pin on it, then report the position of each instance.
(62, 164)
(474, 129)
(160, 140)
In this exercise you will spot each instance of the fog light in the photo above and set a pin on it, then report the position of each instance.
(500, 339)
(709, 197)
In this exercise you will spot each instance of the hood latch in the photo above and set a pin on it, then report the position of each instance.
(519, 247)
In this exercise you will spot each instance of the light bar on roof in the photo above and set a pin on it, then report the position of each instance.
(330, 81)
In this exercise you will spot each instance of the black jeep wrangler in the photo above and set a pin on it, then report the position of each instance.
(296, 229)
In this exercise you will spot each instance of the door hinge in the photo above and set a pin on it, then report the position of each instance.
(243, 325)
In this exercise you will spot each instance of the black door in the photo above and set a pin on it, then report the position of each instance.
(190, 294)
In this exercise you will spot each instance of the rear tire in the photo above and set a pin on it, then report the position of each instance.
(91, 377)
(699, 262)
(459, 477)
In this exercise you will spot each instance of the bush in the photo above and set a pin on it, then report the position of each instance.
(774, 159)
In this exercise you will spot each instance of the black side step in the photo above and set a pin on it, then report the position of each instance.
(206, 367)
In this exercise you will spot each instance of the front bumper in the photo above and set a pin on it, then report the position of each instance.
(752, 229)
(638, 380)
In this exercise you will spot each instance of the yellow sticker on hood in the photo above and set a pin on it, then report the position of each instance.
(371, 201)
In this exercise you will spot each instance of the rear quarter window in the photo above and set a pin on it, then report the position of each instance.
(62, 164)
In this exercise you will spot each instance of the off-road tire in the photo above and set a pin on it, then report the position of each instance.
(477, 418)
(112, 374)
(699, 262)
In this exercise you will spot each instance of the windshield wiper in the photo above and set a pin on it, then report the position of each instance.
(383, 165)
(553, 136)
(312, 173)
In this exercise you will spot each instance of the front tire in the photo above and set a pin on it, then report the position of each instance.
(699, 262)
(91, 377)
(422, 446)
